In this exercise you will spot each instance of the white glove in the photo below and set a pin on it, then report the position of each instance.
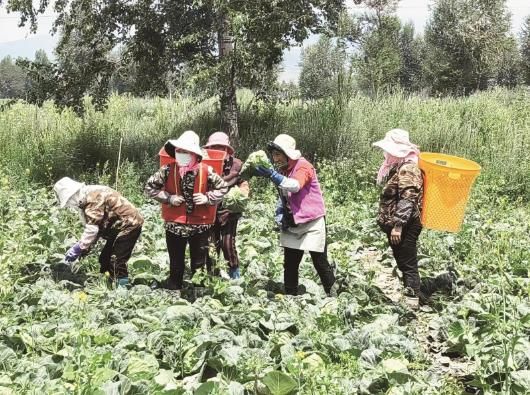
(200, 199)
(175, 200)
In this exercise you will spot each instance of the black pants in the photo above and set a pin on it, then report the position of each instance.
(406, 254)
(292, 259)
(176, 247)
(224, 238)
(116, 253)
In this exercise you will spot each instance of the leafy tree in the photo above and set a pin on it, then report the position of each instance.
(288, 91)
(412, 51)
(465, 40)
(509, 70)
(218, 38)
(12, 80)
(379, 62)
(321, 66)
(525, 51)
(40, 77)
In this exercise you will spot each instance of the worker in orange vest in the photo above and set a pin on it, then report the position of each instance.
(189, 192)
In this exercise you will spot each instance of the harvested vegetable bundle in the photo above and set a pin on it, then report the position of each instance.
(235, 200)
(255, 159)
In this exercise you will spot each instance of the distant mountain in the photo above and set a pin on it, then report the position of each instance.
(27, 48)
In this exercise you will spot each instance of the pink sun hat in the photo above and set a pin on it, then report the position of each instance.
(220, 138)
(397, 143)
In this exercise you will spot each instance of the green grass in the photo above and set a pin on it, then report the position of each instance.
(491, 128)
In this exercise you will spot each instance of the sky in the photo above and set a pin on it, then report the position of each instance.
(17, 41)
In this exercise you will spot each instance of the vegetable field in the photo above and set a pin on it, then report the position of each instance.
(70, 333)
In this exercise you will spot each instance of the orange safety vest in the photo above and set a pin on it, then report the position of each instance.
(201, 215)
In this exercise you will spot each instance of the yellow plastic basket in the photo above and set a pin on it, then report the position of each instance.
(447, 186)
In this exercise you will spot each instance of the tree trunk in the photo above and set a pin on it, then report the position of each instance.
(228, 100)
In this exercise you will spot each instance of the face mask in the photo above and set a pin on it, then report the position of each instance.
(183, 158)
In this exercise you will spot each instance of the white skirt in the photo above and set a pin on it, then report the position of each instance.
(310, 236)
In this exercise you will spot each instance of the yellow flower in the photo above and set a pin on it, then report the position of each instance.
(107, 274)
(279, 296)
(300, 355)
(81, 296)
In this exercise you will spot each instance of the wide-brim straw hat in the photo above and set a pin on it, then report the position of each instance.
(397, 143)
(188, 141)
(287, 145)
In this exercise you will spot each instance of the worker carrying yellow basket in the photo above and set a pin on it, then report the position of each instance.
(447, 186)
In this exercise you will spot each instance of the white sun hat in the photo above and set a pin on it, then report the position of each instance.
(397, 143)
(65, 188)
(287, 144)
(188, 141)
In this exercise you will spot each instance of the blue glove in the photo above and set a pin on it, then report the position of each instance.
(278, 213)
(73, 253)
(276, 177)
(263, 171)
(233, 272)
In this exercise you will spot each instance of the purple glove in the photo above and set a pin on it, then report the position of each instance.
(73, 253)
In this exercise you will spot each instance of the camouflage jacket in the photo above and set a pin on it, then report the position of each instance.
(106, 213)
(154, 189)
(402, 195)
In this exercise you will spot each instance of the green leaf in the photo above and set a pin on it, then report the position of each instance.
(279, 383)
(526, 319)
(194, 359)
(206, 388)
(102, 375)
(142, 366)
(394, 365)
(313, 361)
(235, 388)
(455, 330)
(111, 388)
(231, 355)
(521, 378)
(179, 312)
(7, 354)
(166, 380)
(6, 391)
(142, 264)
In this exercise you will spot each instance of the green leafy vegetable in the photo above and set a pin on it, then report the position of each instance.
(255, 159)
(235, 200)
